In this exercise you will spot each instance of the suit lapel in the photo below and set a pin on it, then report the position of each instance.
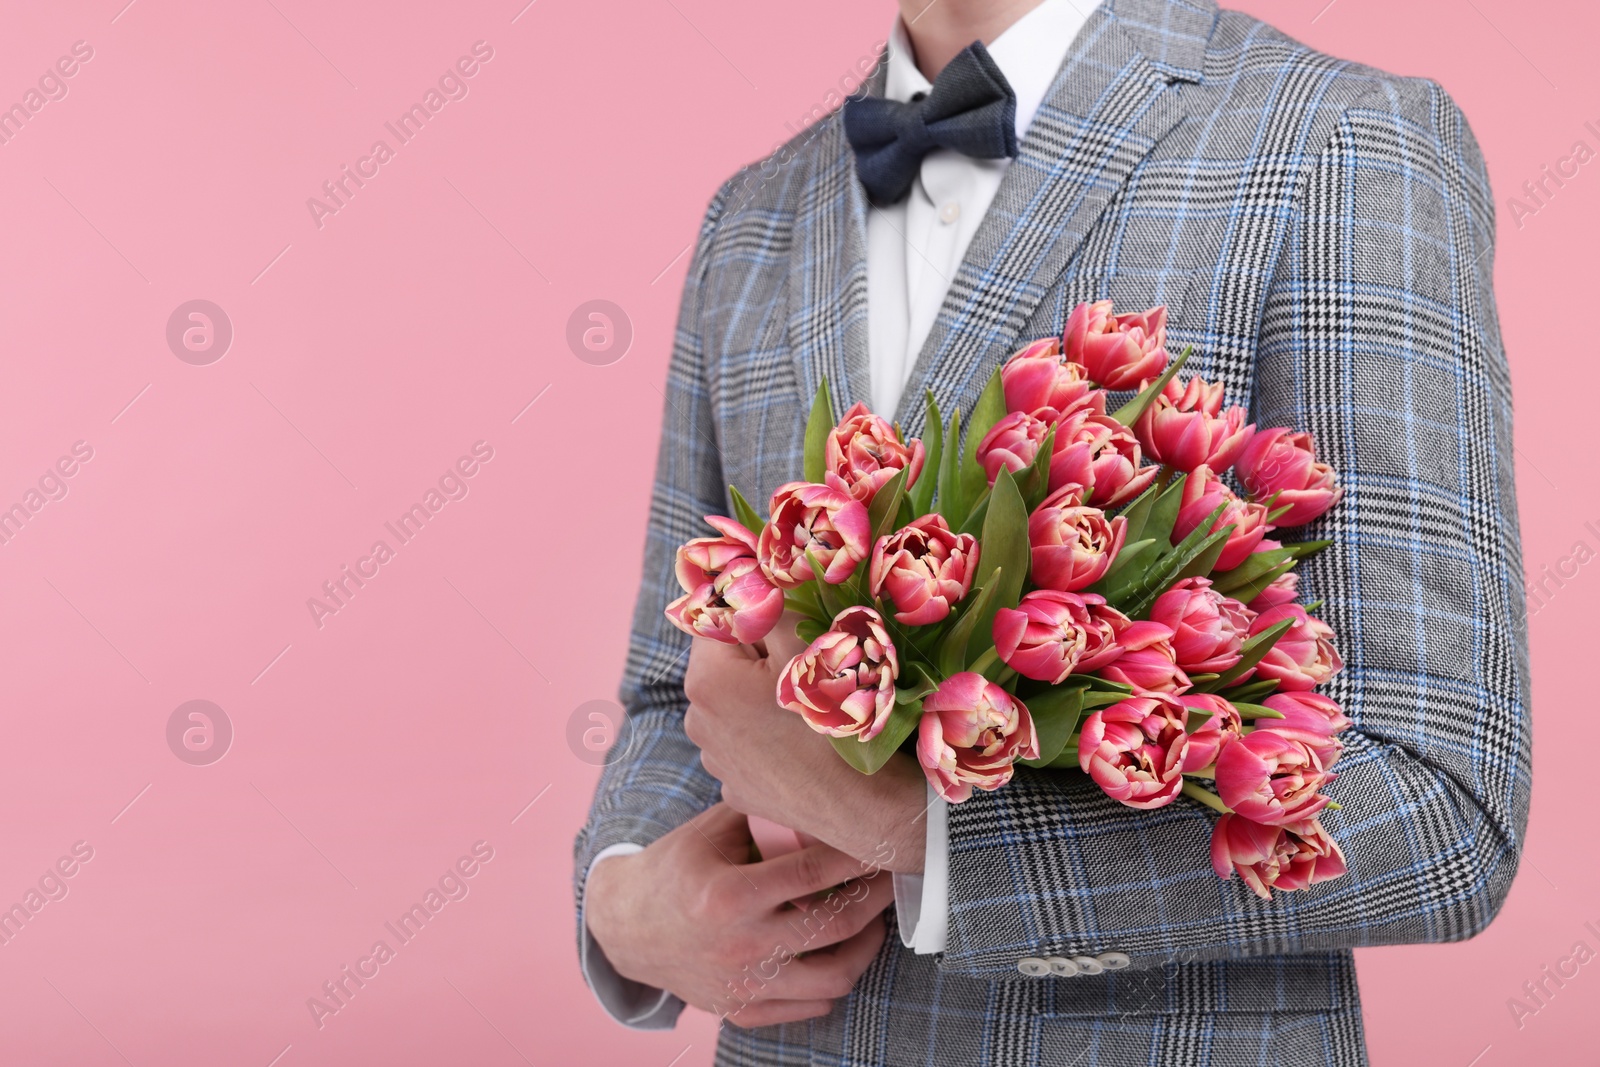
(1109, 106)
(828, 273)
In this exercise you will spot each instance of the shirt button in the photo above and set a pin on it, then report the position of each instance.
(1062, 967)
(1114, 961)
(1088, 965)
(950, 212)
(1033, 966)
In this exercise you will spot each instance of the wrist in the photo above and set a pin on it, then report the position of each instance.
(601, 898)
(901, 826)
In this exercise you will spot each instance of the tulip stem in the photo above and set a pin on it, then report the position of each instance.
(1206, 797)
(1209, 772)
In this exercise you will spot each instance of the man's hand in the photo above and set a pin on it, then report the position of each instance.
(688, 915)
(771, 764)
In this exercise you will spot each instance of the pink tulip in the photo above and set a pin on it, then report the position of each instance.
(1304, 657)
(1106, 626)
(1222, 727)
(1202, 492)
(1208, 628)
(1148, 662)
(843, 683)
(1012, 443)
(923, 569)
(1135, 750)
(1117, 351)
(1308, 711)
(1038, 378)
(702, 559)
(1282, 590)
(1073, 545)
(1046, 635)
(1272, 778)
(739, 606)
(865, 451)
(1098, 452)
(824, 520)
(971, 734)
(1274, 857)
(727, 596)
(1281, 465)
(1185, 427)
(1312, 718)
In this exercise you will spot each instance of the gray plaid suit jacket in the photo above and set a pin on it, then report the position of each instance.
(1322, 234)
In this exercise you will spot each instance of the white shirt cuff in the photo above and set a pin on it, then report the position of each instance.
(628, 1002)
(922, 901)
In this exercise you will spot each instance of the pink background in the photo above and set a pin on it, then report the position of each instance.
(368, 354)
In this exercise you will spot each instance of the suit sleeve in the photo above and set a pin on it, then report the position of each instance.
(653, 780)
(1379, 334)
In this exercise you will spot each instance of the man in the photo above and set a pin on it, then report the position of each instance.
(1321, 233)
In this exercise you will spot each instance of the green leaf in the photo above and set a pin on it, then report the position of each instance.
(949, 467)
(803, 600)
(914, 684)
(818, 426)
(1004, 554)
(1160, 576)
(1251, 691)
(883, 514)
(1257, 711)
(921, 494)
(1201, 565)
(808, 630)
(1055, 715)
(1137, 512)
(1034, 483)
(990, 409)
(1120, 580)
(976, 517)
(1107, 685)
(827, 596)
(1251, 653)
(1129, 413)
(1164, 513)
(1102, 698)
(952, 658)
(868, 757)
(748, 516)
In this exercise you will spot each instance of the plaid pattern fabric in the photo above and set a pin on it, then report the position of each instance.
(1322, 234)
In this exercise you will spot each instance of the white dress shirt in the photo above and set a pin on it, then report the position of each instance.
(913, 250)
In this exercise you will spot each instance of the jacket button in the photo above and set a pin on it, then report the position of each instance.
(1114, 961)
(1088, 965)
(1034, 967)
(1062, 967)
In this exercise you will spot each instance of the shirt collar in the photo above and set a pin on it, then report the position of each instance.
(1029, 53)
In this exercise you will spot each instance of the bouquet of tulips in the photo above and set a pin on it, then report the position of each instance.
(1062, 586)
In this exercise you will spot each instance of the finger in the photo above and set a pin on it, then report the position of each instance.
(826, 921)
(800, 874)
(722, 826)
(772, 1012)
(831, 972)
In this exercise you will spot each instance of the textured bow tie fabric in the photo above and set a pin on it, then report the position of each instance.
(971, 109)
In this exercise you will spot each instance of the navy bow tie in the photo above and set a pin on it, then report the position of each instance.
(971, 109)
